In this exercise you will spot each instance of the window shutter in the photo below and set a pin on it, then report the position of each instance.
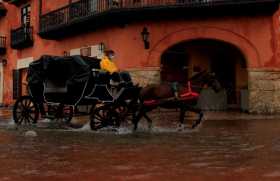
(16, 84)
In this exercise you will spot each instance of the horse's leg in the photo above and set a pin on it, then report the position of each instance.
(200, 115)
(182, 117)
(149, 120)
(137, 117)
(197, 122)
(142, 113)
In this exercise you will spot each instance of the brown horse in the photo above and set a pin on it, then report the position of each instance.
(173, 95)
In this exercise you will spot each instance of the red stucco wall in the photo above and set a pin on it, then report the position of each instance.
(256, 37)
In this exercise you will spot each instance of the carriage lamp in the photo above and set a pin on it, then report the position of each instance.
(145, 37)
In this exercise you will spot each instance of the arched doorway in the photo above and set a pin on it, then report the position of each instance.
(182, 60)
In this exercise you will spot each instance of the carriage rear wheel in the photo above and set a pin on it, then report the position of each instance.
(25, 111)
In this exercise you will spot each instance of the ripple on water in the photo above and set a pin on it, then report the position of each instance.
(5, 178)
(129, 130)
(134, 177)
(31, 172)
(123, 167)
(65, 147)
(50, 173)
(242, 169)
(85, 127)
(272, 174)
(253, 148)
(199, 164)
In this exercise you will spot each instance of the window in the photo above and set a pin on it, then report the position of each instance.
(25, 15)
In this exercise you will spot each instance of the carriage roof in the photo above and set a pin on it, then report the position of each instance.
(56, 68)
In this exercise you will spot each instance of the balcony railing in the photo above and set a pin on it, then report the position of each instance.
(22, 37)
(3, 44)
(88, 10)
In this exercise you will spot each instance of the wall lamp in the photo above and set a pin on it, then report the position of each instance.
(145, 37)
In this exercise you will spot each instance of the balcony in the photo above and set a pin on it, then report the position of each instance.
(92, 14)
(2, 45)
(22, 37)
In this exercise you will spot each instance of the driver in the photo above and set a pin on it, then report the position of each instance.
(107, 63)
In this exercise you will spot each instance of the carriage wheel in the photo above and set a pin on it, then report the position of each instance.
(99, 118)
(61, 113)
(104, 116)
(25, 111)
(122, 111)
(67, 114)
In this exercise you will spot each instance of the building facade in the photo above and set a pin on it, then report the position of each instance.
(155, 40)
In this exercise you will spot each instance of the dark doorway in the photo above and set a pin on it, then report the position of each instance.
(181, 61)
(174, 64)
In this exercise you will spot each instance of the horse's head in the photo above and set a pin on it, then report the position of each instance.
(209, 79)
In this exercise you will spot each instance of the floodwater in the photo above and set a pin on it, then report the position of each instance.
(218, 150)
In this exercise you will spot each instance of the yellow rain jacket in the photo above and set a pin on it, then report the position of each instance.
(107, 65)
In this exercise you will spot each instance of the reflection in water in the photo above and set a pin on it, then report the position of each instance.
(219, 150)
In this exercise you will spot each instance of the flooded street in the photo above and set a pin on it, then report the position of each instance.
(217, 150)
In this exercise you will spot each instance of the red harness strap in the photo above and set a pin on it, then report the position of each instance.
(189, 94)
(152, 102)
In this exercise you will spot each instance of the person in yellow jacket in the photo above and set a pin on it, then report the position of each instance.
(107, 64)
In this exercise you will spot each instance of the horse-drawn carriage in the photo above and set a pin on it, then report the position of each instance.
(59, 85)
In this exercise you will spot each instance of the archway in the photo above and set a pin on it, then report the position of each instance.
(182, 60)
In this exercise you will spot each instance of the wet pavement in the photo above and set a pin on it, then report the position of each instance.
(227, 146)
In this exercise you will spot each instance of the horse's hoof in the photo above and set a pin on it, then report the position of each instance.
(134, 129)
(181, 127)
(198, 121)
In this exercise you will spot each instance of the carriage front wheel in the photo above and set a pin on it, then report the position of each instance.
(106, 115)
(25, 111)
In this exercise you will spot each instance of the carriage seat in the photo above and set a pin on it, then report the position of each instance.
(100, 76)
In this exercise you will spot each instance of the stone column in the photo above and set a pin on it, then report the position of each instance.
(264, 91)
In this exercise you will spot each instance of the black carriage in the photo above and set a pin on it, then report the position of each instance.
(59, 85)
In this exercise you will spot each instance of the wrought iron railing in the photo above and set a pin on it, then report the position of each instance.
(22, 37)
(84, 9)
